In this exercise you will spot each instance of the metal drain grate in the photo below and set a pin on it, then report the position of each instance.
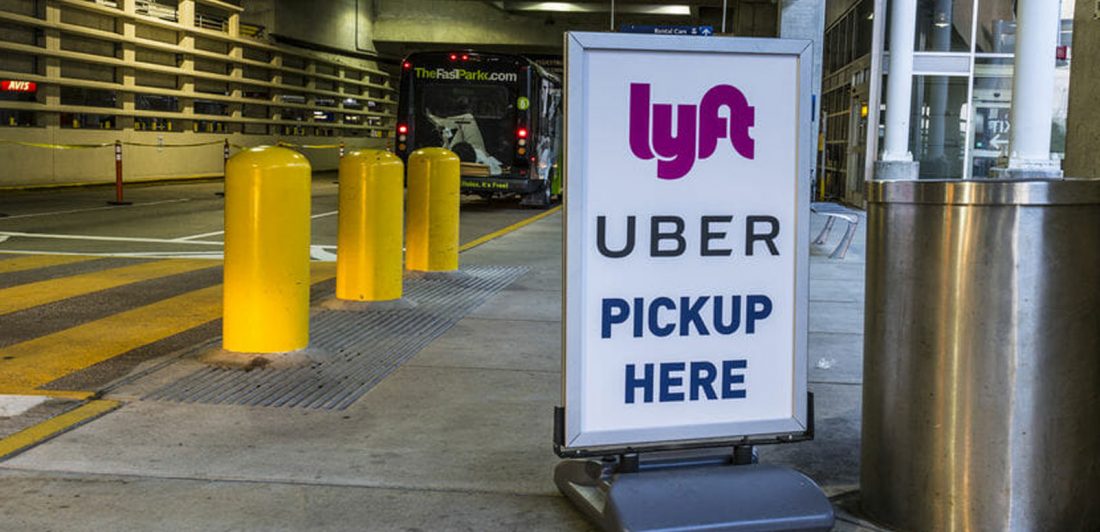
(356, 349)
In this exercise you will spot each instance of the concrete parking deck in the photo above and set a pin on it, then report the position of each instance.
(457, 437)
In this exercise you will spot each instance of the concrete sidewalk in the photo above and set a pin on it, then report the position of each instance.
(457, 438)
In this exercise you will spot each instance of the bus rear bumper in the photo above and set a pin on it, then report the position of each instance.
(483, 185)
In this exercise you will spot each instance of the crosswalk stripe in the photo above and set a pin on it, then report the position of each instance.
(29, 295)
(31, 262)
(39, 361)
(52, 427)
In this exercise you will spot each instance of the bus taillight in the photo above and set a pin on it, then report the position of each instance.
(465, 57)
(407, 65)
(454, 56)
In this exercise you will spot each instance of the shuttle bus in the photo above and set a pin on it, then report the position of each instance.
(500, 113)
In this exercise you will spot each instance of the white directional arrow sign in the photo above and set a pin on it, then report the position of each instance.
(998, 142)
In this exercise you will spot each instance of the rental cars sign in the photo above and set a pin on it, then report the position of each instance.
(687, 205)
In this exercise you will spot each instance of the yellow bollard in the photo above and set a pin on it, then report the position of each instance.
(266, 301)
(368, 250)
(431, 239)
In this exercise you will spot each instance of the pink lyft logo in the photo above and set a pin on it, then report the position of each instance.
(676, 150)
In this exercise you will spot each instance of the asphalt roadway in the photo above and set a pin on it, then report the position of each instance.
(178, 219)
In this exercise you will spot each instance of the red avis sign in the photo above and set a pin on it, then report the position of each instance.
(8, 85)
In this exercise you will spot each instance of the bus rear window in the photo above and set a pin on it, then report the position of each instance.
(482, 101)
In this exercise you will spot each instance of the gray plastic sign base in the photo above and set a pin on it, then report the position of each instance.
(734, 498)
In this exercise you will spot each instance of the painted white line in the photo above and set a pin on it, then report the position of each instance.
(200, 235)
(321, 254)
(72, 211)
(105, 238)
(129, 255)
(187, 254)
(215, 233)
(317, 254)
(3, 238)
(14, 405)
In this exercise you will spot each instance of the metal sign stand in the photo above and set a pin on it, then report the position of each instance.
(684, 487)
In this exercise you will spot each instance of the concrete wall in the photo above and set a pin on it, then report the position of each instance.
(115, 66)
(472, 23)
(34, 166)
(401, 26)
(341, 24)
(1083, 121)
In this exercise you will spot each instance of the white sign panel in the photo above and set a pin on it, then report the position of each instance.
(687, 205)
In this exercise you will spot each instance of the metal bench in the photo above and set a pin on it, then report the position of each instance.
(832, 212)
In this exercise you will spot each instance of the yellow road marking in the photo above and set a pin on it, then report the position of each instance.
(58, 394)
(29, 295)
(497, 234)
(39, 261)
(47, 358)
(52, 427)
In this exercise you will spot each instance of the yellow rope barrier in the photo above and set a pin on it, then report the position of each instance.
(192, 145)
(309, 146)
(282, 143)
(58, 146)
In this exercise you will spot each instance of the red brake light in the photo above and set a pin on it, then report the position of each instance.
(407, 65)
(465, 57)
(453, 57)
(402, 129)
(522, 133)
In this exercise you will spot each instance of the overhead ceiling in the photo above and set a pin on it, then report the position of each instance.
(535, 27)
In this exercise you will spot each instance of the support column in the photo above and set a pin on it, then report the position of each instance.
(896, 161)
(186, 14)
(1083, 118)
(127, 76)
(1037, 25)
(236, 71)
(311, 98)
(805, 19)
(275, 112)
(942, 26)
(51, 93)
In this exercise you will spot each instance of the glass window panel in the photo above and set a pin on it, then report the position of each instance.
(992, 122)
(938, 125)
(992, 104)
(865, 17)
(944, 25)
(996, 27)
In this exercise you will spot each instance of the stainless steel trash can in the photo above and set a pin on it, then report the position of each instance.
(981, 397)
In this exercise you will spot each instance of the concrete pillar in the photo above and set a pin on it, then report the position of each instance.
(1037, 25)
(127, 76)
(341, 87)
(51, 93)
(234, 25)
(896, 161)
(941, 29)
(186, 14)
(236, 90)
(275, 112)
(1083, 119)
(805, 19)
(311, 98)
